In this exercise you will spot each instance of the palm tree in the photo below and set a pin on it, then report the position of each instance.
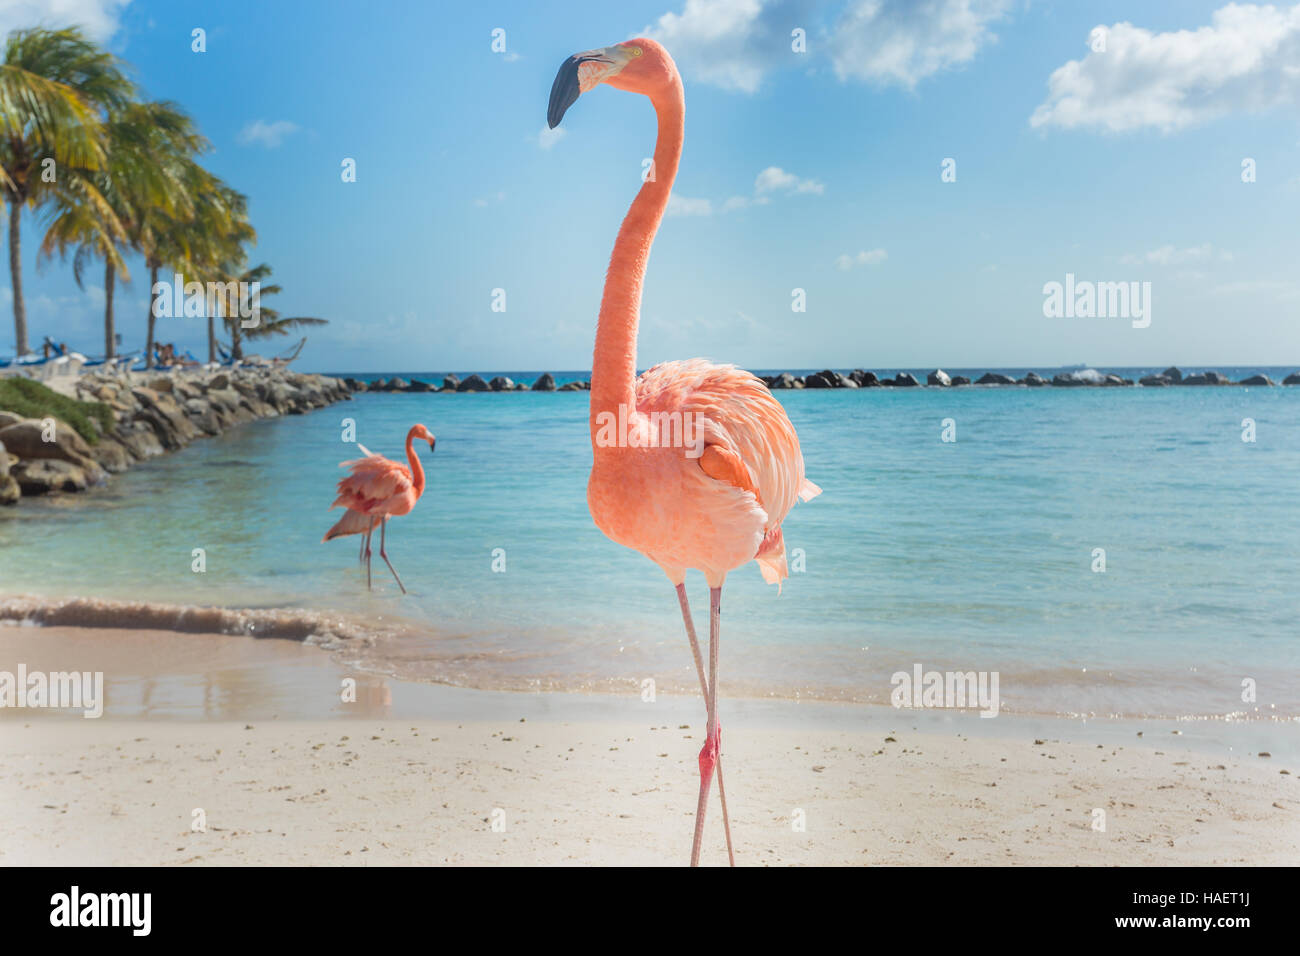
(269, 321)
(187, 243)
(218, 235)
(149, 145)
(55, 86)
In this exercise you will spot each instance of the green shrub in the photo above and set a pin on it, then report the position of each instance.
(30, 399)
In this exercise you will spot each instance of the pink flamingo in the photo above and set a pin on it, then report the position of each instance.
(376, 490)
(695, 465)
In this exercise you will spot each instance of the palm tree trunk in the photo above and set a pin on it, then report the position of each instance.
(148, 339)
(110, 275)
(212, 339)
(16, 274)
(236, 340)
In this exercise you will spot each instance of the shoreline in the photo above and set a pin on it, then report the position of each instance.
(829, 378)
(152, 413)
(287, 657)
(416, 774)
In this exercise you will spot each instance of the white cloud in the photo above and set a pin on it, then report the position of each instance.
(728, 43)
(743, 202)
(774, 179)
(905, 41)
(99, 18)
(270, 135)
(1246, 60)
(1277, 288)
(1172, 256)
(547, 137)
(684, 206)
(735, 43)
(873, 257)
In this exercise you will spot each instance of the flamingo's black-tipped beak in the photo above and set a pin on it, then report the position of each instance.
(431, 443)
(564, 91)
(572, 80)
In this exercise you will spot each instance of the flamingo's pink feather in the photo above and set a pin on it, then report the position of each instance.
(352, 522)
(376, 487)
(664, 503)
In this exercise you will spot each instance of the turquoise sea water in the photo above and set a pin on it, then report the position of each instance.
(972, 555)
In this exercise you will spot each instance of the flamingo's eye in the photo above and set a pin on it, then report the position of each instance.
(635, 51)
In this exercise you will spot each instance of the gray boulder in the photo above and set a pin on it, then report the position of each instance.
(545, 383)
(938, 377)
(960, 380)
(502, 383)
(903, 379)
(995, 378)
(26, 439)
(140, 440)
(9, 490)
(1206, 378)
(1173, 374)
(474, 383)
(43, 475)
(451, 383)
(111, 455)
(1034, 380)
(1063, 380)
(1257, 380)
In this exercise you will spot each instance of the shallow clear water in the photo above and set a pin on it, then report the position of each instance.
(971, 555)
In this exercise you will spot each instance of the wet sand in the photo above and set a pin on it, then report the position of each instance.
(257, 735)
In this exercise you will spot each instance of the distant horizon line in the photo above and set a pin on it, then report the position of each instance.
(1182, 366)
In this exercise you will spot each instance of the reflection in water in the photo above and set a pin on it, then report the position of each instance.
(169, 676)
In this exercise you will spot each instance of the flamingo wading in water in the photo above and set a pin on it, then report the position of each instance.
(695, 465)
(375, 490)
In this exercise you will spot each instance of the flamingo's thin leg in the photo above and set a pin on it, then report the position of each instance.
(361, 555)
(715, 638)
(369, 531)
(708, 703)
(383, 527)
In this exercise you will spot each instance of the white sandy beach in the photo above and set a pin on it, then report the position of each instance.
(576, 780)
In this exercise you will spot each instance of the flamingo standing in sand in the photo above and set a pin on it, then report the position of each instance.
(378, 489)
(714, 503)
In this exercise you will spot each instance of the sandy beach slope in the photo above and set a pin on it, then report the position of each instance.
(283, 780)
(369, 792)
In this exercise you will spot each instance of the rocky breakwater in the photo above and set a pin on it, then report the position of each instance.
(150, 415)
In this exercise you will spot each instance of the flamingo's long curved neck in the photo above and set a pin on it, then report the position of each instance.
(613, 367)
(417, 470)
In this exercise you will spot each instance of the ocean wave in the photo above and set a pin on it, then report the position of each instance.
(295, 624)
(557, 661)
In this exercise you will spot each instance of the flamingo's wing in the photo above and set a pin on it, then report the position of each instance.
(749, 440)
(372, 481)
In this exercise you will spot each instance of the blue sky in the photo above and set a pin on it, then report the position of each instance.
(817, 170)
